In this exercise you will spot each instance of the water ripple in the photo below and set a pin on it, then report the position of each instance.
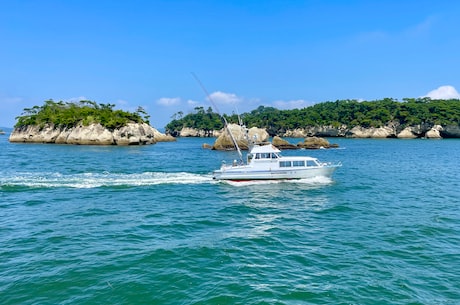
(123, 226)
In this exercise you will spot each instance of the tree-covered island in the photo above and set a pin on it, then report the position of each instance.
(84, 122)
(71, 114)
(337, 118)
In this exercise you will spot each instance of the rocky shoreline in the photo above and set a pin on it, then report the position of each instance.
(387, 131)
(93, 134)
(141, 134)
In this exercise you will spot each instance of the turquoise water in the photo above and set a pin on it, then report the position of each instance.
(147, 225)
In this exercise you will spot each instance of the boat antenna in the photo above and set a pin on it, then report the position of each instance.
(245, 129)
(223, 118)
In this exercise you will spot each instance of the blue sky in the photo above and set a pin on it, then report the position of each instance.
(284, 54)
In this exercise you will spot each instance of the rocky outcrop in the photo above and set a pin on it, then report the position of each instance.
(93, 134)
(192, 132)
(412, 132)
(282, 144)
(224, 142)
(434, 132)
(161, 137)
(407, 133)
(317, 131)
(308, 143)
(316, 143)
(450, 131)
(391, 130)
(295, 133)
(372, 132)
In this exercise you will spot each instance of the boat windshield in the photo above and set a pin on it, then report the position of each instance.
(267, 156)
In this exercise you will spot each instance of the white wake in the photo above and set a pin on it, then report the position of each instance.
(104, 179)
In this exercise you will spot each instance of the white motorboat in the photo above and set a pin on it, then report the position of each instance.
(265, 162)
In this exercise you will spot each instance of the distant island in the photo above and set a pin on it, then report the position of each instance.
(84, 122)
(386, 118)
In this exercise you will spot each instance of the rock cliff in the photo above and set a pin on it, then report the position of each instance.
(450, 131)
(282, 144)
(316, 143)
(192, 132)
(391, 130)
(93, 134)
(224, 142)
(308, 143)
(317, 131)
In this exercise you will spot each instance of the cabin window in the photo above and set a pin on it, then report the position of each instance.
(285, 164)
(298, 163)
(265, 155)
(311, 163)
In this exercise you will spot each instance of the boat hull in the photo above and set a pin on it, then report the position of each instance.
(246, 173)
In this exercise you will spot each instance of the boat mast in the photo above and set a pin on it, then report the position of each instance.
(223, 118)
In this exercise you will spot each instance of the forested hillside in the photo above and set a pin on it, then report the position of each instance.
(411, 111)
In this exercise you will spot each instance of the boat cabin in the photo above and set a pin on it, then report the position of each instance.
(266, 156)
(271, 154)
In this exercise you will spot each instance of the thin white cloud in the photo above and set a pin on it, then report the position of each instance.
(168, 101)
(11, 100)
(280, 104)
(254, 101)
(193, 103)
(443, 93)
(372, 37)
(386, 36)
(421, 28)
(76, 99)
(220, 97)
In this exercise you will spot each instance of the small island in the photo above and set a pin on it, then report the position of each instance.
(85, 122)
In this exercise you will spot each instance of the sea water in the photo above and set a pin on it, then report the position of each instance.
(148, 225)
